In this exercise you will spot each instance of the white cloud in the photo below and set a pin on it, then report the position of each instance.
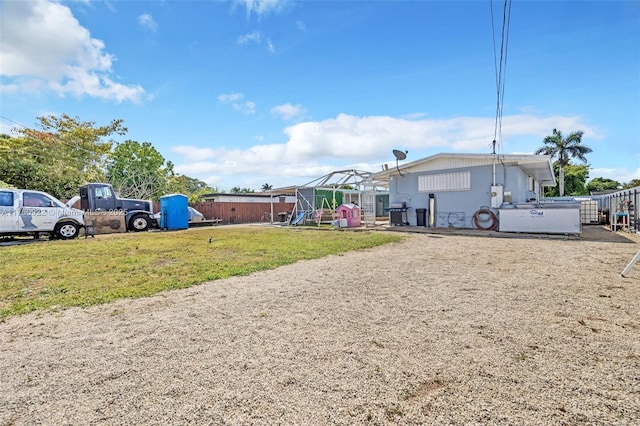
(109, 5)
(315, 148)
(350, 137)
(619, 175)
(213, 180)
(249, 107)
(256, 155)
(9, 89)
(230, 97)
(43, 47)
(270, 46)
(82, 82)
(193, 153)
(262, 7)
(237, 103)
(254, 37)
(147, 22)
(288, 111)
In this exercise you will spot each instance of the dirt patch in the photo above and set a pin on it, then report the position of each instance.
(449, 330)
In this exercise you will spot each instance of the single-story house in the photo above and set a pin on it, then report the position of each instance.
(482, 191)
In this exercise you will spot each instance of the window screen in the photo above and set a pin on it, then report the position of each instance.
(459, 181)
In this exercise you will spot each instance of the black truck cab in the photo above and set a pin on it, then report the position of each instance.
(100, 197)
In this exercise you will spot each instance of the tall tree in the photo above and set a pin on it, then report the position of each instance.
(576, 176)
(238, 190)
(20, 162)
(82, 141)
(185, 185)
(564, 149)
(138, 170)
(266, 187)
(191, 187)
(57, 156)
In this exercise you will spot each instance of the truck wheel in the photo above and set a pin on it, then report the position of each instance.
(66, 230)
(139, 222)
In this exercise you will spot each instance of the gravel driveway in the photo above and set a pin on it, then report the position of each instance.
(437, 329)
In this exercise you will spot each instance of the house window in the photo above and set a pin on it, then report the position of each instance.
(458, 181)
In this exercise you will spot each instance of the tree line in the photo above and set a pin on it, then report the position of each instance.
(62, 153)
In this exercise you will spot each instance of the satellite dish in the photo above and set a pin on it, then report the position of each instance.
(399, 154)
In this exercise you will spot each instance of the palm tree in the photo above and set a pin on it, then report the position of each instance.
(564, 149)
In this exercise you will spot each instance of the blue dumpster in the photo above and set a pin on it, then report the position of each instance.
(174, 212)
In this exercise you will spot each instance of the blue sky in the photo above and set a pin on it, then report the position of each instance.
(242, 93)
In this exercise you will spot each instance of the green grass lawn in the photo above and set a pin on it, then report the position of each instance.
(83, 272)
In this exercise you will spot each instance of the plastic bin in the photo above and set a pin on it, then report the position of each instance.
(421, 216)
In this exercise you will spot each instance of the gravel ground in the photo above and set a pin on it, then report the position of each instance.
(437, 329)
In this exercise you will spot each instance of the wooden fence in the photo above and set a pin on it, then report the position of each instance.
(235, 213)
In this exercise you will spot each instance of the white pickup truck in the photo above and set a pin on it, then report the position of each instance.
(26, 212)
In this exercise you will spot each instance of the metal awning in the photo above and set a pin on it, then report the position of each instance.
(542, 171)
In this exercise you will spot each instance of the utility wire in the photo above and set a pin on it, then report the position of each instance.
(11, 121)
(500, 67)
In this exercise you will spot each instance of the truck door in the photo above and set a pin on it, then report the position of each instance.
(8, 212)
(38, 212)
(104, 198)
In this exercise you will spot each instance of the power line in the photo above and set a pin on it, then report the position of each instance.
(500, 67)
